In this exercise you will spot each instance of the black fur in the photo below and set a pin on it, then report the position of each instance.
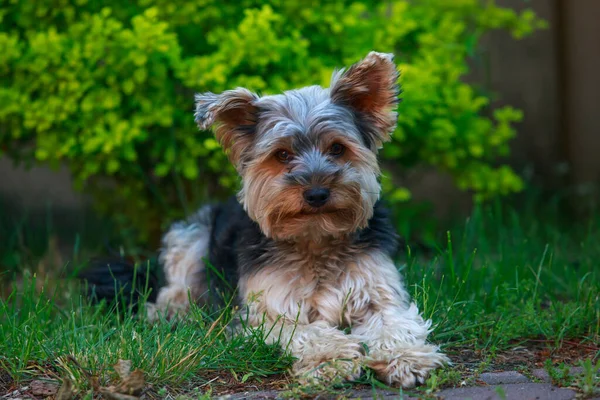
(237, 242)
(380, 234)
(117, 280)
(237, 247)
(230, 228)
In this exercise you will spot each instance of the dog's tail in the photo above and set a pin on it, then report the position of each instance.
(121, 282)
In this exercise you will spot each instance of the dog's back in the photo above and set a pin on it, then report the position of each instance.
(199, 255)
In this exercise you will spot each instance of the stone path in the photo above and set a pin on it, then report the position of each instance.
(520, 391)
(496, 386)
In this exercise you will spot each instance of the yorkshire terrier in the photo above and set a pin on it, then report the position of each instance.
(307, 244)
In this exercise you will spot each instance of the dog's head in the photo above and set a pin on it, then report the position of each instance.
(308, 157)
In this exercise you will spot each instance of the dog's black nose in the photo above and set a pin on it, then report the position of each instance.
(316, 197)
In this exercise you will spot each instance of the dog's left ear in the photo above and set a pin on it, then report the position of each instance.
(235, 116)
(370, 89)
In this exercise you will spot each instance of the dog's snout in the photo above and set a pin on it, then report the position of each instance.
(317, 196)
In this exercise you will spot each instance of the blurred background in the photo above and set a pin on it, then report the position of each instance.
(98, 145)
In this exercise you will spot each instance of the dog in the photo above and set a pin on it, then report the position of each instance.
(307, 244)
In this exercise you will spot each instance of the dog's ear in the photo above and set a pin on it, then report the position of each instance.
(234, 115)
(370, 89)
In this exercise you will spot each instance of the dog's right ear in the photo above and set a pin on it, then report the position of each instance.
(234, 115)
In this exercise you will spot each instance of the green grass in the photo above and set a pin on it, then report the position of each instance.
(504, 277)
(499, 280)
(53, 334)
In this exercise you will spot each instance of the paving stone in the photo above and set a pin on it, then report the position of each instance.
(497, 378)
(501, 385)
(543, 375)
(576, 371)
(366, 394)
(260, 395)
(518, 391)
(380, 395)
(513, 391)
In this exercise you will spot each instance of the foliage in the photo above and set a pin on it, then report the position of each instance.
(107, 87)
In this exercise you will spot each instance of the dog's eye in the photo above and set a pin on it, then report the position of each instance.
(337, 149)
(283, 156)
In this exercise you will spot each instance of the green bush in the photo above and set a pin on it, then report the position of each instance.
(107, 88)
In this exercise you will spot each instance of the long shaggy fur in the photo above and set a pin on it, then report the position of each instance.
(318, 272)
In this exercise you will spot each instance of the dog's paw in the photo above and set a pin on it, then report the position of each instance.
(172, 303)
(407, 367)
(328, 372)
(330, 361)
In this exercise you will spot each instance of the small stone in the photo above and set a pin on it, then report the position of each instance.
(576, 371)
(497, 378)
(43, 388)
(542, 375)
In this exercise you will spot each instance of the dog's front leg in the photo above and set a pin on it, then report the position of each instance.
(322, 352)
(394, 331)
(397, 350)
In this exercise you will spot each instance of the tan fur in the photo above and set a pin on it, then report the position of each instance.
(277, 207)
(370, 87)
(308, 300)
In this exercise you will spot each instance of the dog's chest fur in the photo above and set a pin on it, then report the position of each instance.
(312, 280)
(339, 283)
